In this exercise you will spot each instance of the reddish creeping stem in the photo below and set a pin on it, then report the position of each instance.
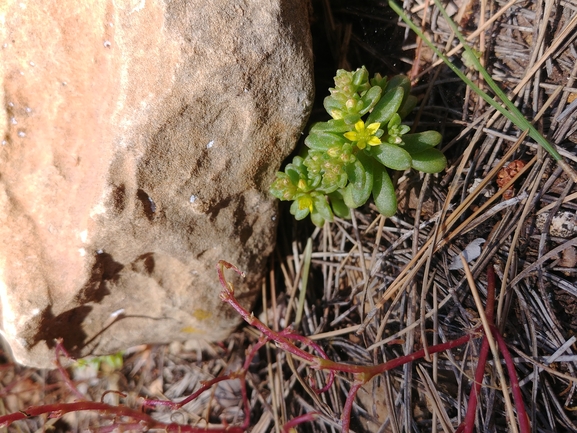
(285, 340)
(144, 421)
(469, 422)
(361, 373)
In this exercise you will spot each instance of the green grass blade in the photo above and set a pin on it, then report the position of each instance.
(511, 112)
(304, 281)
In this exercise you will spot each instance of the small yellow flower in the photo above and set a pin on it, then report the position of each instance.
(364, 135)
(305, 202)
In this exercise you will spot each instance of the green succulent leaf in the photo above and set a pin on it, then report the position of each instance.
(408, 106)
(387, 106)
(392, 156)
(360, 76)
(415, 143)
(429, 161)
(360, 174)
(400, 81)
(321, 207)
(340, 209)
(293, 174)
(379, 80)
(337, 126)
(282, 188)
(317, 219)
(352, 118)
(299, 213)
(384, 192)
(334, 107)
(370, 99)
(324, 140)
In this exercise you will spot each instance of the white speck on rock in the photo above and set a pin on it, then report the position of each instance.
(13, 121)
(117, 312)
(82, 252)
(192, 198)
(21, 134)
(107, 44)
(210, 144)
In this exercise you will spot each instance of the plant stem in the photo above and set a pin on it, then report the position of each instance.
(512, 112)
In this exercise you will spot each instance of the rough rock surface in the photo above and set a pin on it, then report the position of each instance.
(138, 142)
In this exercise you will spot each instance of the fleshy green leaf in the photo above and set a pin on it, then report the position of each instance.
(360, 76)
(387, 106)
(351, 118)
(282, 188)
(392, 156)
(298, 213)
(379, 80)
(317, 219)
(384, 192)
(293, 174)
(337, 126)
(333, 105)
(360, 174)
(429, 161)
(415, 143)
(408, 106)
(340, 209)
(321, 207)
(324, 140)
(403, 82)
(370, 99)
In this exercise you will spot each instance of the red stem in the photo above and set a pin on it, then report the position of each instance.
(348, 408)
(469, 421)
(61, 350)
(59, 409)
(362, 374)
(307, 417)
(524, 425)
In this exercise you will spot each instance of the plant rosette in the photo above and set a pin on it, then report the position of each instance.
(347, 158)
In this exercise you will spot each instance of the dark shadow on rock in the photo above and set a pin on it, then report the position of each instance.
(144, 264)
(67, 325)
(104, 269)
(148, 206)
(242, 223)
(215, 210)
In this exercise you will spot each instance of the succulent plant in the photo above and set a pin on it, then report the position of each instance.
(348, 158)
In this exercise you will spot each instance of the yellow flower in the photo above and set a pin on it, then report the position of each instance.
(364, 135)
(305, 202)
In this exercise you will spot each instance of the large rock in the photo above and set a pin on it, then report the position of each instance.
(138, 142)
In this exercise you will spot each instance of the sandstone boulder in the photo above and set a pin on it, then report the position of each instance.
(139, 138)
